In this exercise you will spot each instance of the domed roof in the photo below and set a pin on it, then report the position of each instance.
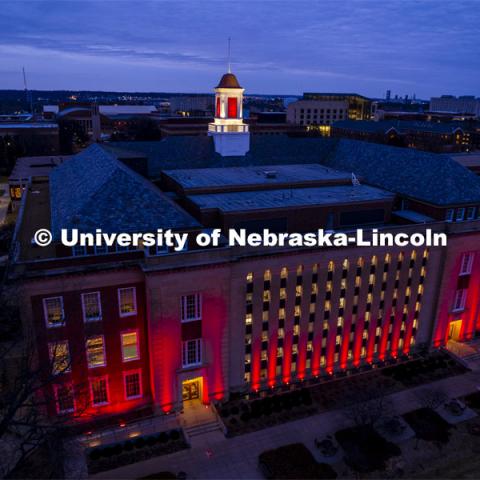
(229, 80)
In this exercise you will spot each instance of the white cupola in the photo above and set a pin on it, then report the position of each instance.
(230, 135)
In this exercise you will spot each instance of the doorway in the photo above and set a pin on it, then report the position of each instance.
(191, 389)
(455, 329)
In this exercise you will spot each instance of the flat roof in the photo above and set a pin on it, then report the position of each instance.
(414, 217)
(26, 167)
(5, 126)
(288, 198)
(275, 175)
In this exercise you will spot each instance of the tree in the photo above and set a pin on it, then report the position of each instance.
(71, 136)
(26, 395)
(432, 398)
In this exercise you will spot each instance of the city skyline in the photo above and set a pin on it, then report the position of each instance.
(277, 48)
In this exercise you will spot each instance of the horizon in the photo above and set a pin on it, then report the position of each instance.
(407, 47)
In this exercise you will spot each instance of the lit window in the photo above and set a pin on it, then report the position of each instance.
(130, 349)
(53, 311)
(467, 262)
(91, 306)
(248, 319)
(64, 398)
(79, 250)
(99, 390)
(95, 352)
(127, 301)
(449, 215)
(59, 357)
(460, 215)
(191, 307)
(460, 299)
(191, 352)
(133, 384)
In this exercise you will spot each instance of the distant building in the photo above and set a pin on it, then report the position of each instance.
(316, 111)
(450, 103)
(196, 105)
(428, 136)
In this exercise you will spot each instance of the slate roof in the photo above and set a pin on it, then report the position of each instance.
(433, 178)
(95, 190)
(401, 126)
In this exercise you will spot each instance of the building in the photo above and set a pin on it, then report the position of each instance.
(29, 169)
(428, 136)
(196, 105)
(322, 109)
(449, 103)
(131, 329)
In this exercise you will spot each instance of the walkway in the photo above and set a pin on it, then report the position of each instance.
(216, 457)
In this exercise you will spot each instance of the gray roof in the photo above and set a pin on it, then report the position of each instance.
(429, 177)
(182, 152)
(275, 175)
(94, 190)
(287, 198)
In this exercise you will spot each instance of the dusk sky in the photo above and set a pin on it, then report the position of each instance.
(427, 47)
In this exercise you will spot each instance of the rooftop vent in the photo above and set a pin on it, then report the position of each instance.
(270, 173)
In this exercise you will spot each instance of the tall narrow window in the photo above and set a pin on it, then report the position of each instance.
(191, 307)
(460, 299)
(91, 306)
(99, 390)
(59, 357)
(53, 311)
(64, 398)
(133, 384)
(95, 347)
(127, 301)
(130, 350)
(232, 107)
(192, 352)
(467, 262)
(218, 108)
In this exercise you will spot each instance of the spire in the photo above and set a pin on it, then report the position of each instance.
(229, 66)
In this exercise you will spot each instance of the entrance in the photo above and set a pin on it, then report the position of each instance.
(455, 328)
(191, 389)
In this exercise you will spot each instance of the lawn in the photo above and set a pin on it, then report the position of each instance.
(365, 450)
(428, 425)
(293, 462)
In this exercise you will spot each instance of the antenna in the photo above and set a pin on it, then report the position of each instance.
(27, 93)
(229, 69)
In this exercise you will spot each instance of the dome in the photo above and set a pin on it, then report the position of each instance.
(229, 80)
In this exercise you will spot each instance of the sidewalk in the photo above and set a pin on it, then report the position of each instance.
(237, 457)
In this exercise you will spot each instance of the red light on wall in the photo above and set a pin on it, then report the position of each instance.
(218, 108)
(232, 107)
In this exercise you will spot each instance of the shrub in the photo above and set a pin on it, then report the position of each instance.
(163, 437)
(235, 410)
(139, 442)
(108, 451)
(150, 441)
(224, 412)
(245, 417)
(233, 421)
(95, 454)
(174, 435)
(117, 449)
(128, 446)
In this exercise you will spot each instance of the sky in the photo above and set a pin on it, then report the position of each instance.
(426, 47)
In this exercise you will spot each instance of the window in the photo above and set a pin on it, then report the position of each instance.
(101, 250)
(59, 357)
(460, 215)
(232, 107)
(460, 299)
(92, 309)
(64, 398)
(449, 215)
(79, 250)
(95, 347)
(133, 384)
(127, 301)
(191, 307)
(192, 352)
(53, 311)
(130, 349)
(99, 390)
(161, 250)
(471, 213)
(467, 262)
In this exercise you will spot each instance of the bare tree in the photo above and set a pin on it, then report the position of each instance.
(432, 398)
(26, 394)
